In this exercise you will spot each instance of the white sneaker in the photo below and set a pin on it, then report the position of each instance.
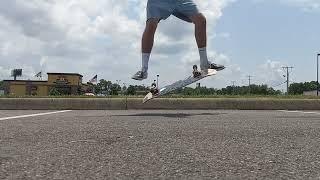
(214, 66)
(217, 67)
(140, 75)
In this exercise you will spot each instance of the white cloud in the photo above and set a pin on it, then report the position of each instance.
(308, 5)
(271, 73)
(98, 36)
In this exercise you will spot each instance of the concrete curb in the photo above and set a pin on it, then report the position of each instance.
(225, 103)
(165, 103)
(62, 104)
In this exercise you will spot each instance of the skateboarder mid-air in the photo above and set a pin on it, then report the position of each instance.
(184, 9)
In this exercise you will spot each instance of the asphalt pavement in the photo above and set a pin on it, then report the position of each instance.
(204, 144)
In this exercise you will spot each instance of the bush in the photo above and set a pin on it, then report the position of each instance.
(54, 92)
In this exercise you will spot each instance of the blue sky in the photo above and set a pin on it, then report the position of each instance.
(252, 37)
(270, 30)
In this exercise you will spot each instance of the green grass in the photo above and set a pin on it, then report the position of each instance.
(247, 96)
(180, 96)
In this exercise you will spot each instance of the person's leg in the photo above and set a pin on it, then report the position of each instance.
(156, 11)
(200, 23)
(201, 37)
(147, 42)
(187, 10)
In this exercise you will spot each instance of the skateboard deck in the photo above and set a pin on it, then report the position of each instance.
(179, 84)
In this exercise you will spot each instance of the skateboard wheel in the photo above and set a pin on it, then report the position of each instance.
(195, 67)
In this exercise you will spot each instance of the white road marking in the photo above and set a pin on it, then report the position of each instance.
(33, 115)
(304, 112)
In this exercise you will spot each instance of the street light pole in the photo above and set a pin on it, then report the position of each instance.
(157, 80)
(318, 74)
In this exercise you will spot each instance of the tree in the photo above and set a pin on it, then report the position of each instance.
(103, 87)
(252, 89)
(298, 88)
(54, 92)
(115, 88)
(1, 85)
(131, 90)
(124, 88)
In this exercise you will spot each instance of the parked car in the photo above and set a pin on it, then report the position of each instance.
(89, 94)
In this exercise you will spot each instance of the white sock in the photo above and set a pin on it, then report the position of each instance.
(203, 58)
(145, 61)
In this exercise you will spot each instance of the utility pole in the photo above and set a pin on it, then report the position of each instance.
(287, 69)
(249, 78)
(233, 82)
(158, 81)
(318, 74)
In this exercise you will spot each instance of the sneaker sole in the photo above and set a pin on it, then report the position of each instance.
(220, 69)
(217, 69)
(138, 79)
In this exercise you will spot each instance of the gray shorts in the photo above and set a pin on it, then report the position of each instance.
(162, 9)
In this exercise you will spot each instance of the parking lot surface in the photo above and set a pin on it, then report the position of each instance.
(155, 144)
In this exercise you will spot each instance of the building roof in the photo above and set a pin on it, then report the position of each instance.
(23, 81)
(65, 74)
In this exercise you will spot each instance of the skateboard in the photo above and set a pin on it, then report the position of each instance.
(196, 76)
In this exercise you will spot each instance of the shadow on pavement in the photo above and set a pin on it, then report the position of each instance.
(170, 115)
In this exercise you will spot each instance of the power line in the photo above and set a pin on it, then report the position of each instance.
(288, 74)
(279, 84)
(249, 78)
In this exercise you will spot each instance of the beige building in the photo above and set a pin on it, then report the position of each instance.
(64, 83)
(310, 93)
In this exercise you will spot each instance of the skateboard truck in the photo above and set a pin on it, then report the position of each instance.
(154, 89)
(195, 72)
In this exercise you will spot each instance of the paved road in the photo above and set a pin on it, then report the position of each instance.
(160, 144)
